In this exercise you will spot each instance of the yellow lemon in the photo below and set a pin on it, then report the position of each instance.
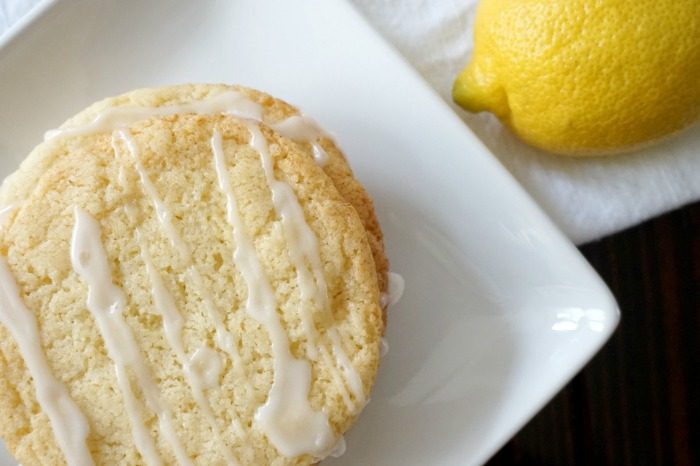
(585, 77)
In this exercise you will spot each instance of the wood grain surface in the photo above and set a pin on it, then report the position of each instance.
(638, 401)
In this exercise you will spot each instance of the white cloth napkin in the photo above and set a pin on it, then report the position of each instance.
(587, 198)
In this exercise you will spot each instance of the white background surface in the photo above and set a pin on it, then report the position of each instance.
(499, 311)
(587, 198)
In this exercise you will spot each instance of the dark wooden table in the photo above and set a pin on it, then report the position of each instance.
(638, 401)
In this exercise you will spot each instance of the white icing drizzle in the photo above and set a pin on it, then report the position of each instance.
(351, 376)
(224, 339)
(338, 379)
(162, 213)
(384, 300)
(121, 175)
(139, 432)
(339, 448)
(67, 421)
(303, 250)
(205, 364)
(286, 418)
(394, 291)
(301, 240)
(383, 347)
(112, 118)
(298, 128)
(301, 128)
(5, 213)
(319, 153)
(202, 370)
(106, 303)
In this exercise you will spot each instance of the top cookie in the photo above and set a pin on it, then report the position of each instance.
(182, 287)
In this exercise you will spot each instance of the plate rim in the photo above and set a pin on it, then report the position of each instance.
(15, 31)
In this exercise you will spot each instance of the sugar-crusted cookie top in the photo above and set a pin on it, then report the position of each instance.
(200, 289)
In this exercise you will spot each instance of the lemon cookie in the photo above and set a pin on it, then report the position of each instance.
(182, 284)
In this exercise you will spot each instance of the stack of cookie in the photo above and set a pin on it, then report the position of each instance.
(188, 275)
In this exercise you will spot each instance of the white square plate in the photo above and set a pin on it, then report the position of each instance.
(500, 310)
